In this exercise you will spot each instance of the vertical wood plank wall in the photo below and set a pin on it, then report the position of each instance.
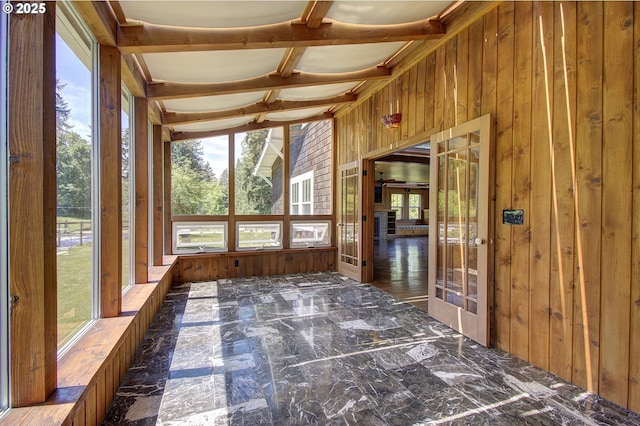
(561, 80)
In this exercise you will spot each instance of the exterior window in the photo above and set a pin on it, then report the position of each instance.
(76, 167)
(127, 190)
(259, 172)
(310, 234)
(4, 241)
(199, 237)
(415, 206)
(200, 177)
(259, 235)
(397, 204)
(301, 194)
(310, 168)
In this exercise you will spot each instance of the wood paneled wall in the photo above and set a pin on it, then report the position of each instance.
(223, 265)
(561, 80)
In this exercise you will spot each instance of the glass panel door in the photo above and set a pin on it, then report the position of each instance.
(458, 276)
(349, 221)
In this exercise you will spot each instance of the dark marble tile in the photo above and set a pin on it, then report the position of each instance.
(321, 349)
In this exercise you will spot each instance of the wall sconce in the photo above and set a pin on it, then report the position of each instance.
(392, 120)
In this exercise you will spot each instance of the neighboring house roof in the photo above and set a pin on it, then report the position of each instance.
(270, 152)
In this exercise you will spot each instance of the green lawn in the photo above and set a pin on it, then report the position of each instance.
(75, 287)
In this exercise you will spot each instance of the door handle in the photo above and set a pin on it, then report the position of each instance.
(480, 241)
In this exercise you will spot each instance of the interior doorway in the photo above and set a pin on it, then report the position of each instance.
(400, 210)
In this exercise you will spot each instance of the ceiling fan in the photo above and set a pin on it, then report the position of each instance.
(382, 182)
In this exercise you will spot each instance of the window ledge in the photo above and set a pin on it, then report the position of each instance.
(88, 369)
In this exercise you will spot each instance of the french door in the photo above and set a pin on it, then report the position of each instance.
(349, 250)
(459, 222)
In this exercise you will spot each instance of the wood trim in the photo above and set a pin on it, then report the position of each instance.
(100, 19)
(157, 195)
(184, 136)
(141, 158)
(286, 183)
(150, 38)
(168, 244)
(173, 90)
(32, 207)
(172, 118)
(110, 182)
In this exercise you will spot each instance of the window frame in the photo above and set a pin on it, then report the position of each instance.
(299, 202)
(130, 100)
(225, 238)
(257, 223)
(400, 210)
(414, 207)
(75, 27)
(294, 223)
(4, 237)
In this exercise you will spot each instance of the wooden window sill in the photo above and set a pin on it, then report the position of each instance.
(90, 372)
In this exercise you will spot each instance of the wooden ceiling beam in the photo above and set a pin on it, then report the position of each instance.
(172, 90)
(100, 19)
(149, 38)
(316, 13)
(185, 136)
(173, 118)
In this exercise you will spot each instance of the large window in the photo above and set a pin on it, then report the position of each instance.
(126, 134)
(397, 204)
(311, 168)
(76, 161)
(4, 249)
(407, 204)
(415, 206)
(259, 172)
(201, 202)
(200, 177)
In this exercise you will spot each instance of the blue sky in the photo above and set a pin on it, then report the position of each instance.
(77, 92)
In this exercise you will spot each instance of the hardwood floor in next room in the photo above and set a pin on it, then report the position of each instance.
(400, 268)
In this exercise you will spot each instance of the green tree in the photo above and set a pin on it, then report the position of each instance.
(191, 154)
(73, 164)
(253, 194)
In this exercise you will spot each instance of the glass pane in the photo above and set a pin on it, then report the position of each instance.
(350, 210)
(474, 137)
(125, 140)
(457, 226)
(442, 219)
(310, 234)
(457, 143)
(455, 298)
(310, 162)
(472, 307)
(259, 235)
(474, 182)
(200, 177)
(415, 205)
(195, 237)
(439, 293)
(259, 172)
(74, 151)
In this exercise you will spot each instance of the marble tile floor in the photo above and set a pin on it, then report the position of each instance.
(325, 350)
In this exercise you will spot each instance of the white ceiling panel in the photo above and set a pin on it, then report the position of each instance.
(213, 103)
(295, 115)
(212, 14)
(316, 92)
(384, 12)
(214, 125)
(353, 57)
(212, 67)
